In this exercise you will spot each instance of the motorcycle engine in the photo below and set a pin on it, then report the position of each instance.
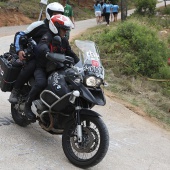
(38, 107)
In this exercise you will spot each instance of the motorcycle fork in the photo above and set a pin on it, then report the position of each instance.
(79, 126)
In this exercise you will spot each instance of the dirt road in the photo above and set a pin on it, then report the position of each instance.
(135, 142)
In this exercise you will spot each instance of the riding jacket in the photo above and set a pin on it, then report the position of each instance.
(35, 30)
(45, 46)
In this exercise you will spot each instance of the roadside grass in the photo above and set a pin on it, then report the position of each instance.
(30, 8)
(2, 4)
(141, 93)
(164, 11)
(151, 96)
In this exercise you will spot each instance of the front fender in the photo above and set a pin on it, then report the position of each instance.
(89, 112)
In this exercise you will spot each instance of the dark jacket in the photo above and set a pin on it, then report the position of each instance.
(34, 30)
(45, 45)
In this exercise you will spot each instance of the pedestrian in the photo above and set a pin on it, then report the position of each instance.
(68, 11)
(97, 11)
(58, 25)
(115, 10)
(34, 30)
(111, 13)
(107, 9)
(102, 13)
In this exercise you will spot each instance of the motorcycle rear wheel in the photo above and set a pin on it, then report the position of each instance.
(18, 117)
(94, 146)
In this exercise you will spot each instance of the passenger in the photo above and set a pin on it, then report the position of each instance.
(35, 30)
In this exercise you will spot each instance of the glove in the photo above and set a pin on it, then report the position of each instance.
(69, 60)
(56, 57)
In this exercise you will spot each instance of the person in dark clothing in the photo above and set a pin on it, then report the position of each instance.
(103, 14)
(107, 7)
(35, 30)
(58, 25)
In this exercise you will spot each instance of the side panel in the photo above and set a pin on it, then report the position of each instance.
(57, 84)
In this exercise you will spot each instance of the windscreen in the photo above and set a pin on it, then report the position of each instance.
(89, 58)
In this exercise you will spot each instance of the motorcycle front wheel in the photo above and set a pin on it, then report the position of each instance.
(94, 145)
(18, 116)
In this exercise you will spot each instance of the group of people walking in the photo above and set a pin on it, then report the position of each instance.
(105, 10)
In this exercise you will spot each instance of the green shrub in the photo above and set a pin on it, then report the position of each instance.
(2, 4)
(145, 6)
(139, 48)
(131, 48)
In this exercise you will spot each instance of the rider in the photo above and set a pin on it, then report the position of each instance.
(58, 25)
(35, 30)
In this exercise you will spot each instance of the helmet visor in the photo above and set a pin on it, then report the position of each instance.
(64, 27)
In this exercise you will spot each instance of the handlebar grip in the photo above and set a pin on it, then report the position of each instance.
(56, 57)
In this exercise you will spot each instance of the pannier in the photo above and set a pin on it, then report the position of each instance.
(10, 67)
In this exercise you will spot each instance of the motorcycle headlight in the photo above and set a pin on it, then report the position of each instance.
(93, 81)
(98, 82)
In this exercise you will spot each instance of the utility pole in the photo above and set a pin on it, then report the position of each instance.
(42, 4)
(123, 9)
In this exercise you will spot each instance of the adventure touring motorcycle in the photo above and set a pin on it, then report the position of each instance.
(85, 137)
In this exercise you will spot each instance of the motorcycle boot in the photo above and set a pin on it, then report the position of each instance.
(13, 98)
(28, 112)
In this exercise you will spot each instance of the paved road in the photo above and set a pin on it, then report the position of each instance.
(135, 142)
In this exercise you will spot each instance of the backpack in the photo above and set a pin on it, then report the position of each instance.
(104, 10)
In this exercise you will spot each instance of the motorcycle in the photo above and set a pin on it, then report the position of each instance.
(85, 138)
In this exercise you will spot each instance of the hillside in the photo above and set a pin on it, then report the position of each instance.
(16, 12)
(12, 17)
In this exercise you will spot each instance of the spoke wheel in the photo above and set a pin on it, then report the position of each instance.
(94, 145)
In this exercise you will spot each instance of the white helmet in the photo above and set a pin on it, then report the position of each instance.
(54, 7)
(59, 21)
